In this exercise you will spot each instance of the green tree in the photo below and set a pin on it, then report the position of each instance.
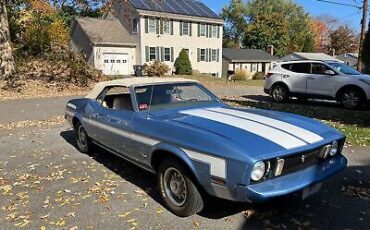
(343, 40)
(183, 64)
(268, 29)
(295, 22)
(235, 22)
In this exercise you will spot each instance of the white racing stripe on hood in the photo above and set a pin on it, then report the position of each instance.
(299, 132)
(277, 136)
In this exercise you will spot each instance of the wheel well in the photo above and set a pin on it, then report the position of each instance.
(348, 87)
(75, 121)
(279, 83)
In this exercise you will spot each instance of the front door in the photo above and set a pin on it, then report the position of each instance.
(320, 84)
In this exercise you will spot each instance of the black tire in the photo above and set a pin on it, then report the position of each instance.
(351, 99)
(84, 144)
(182, 205)
(280, 93)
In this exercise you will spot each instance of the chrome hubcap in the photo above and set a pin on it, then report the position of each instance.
(175, 186)
(351, 99)
(82, 137)
(279, 94)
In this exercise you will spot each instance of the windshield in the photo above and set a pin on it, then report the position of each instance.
(343, 68)
(168, 96)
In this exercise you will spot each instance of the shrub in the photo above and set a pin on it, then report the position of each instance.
(183, 64)
(241, 75)
(156, 69)
(259, 76)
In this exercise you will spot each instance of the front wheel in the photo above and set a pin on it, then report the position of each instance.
(280, 93)
(84, 143)
(178, 190)
(351, 99)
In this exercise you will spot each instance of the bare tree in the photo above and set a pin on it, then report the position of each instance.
(7, 67)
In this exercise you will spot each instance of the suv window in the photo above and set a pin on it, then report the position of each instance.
(318, 68)
(301, 68)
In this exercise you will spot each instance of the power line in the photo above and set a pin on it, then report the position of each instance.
(341, 4)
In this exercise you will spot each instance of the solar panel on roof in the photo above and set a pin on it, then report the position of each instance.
(186, 7)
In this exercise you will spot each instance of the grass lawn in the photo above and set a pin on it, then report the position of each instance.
(355, 124)
(210, 81)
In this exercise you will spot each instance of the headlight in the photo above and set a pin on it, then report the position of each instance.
(334, 148)
(259, 170)
(367, 81)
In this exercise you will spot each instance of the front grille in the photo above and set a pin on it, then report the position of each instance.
(301, 161)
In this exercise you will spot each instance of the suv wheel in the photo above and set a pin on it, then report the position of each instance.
(351, 99)
(84, 143)
(280, 93)
(178, 190)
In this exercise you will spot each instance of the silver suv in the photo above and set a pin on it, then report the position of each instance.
(317, 79)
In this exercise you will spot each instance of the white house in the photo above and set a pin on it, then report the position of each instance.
(151, 30)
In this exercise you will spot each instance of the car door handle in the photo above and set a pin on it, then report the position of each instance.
(311, 78)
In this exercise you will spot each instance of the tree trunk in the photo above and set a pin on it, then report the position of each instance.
(7, 67)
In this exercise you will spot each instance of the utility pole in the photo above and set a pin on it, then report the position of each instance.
(363, 31)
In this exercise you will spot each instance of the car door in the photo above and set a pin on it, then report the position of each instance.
(321, 83)
(296, 77)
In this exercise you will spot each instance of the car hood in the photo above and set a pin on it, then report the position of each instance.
(259, 132)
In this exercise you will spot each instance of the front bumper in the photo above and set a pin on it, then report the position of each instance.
(293, 182)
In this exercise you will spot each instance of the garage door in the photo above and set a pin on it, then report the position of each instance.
(116, 64)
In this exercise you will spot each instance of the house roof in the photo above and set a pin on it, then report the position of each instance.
(352, 55)
(247, 55)
(183, 7)
(309, 56)
(107, 31)
(128, 82)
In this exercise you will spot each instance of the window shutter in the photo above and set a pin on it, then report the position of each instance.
(218, 31)
(190, 28)
(157, 25)
(198, 55)
(157, 54)
(210, 55)
(146, 25)
(172, 54)
(161, 25)
(162, 54)
(171, 25)
(181, 28)
(210, 31)
(147, 53)
(218, 55)
(198, 29)
(207, 31)
(206, 55)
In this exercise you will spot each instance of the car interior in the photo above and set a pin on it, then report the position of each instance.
(118, 98)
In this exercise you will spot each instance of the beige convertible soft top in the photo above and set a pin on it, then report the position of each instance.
(139, 81)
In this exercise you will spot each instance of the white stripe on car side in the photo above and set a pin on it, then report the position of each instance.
(299, 132)
(277, 136)
(217, 165)
(128, 135)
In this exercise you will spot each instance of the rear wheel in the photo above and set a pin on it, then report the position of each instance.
(351, 99)
(178, 190)
(84, 143)
(280, 93)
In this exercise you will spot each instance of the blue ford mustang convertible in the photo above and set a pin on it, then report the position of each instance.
(197, 145)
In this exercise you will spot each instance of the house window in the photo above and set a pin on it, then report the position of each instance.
(166, 27)
(202, 55)
(106, 61)
(203, 30)
(254, 67)
(214, 55)
(214, 31)
(167, 54)
(118, 61)
(124, 61)
(152, 25)
(134, 26)
(112, 61)
(185, 28)
(152, 54)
